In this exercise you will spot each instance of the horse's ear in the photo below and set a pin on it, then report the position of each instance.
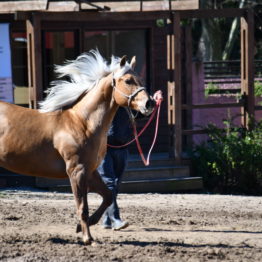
(123, 61)
(133, 62)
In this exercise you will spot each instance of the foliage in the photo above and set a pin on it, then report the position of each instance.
(160, 22)
(219, 38)
(258, 88)
(211, 89)
(231, 160)
(214, 89)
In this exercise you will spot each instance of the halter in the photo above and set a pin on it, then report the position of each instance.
(129, 97)
(146, 161)
(132, 118)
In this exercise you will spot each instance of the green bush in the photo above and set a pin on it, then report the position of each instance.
(211, 89)
(258, 88)
(230, 162)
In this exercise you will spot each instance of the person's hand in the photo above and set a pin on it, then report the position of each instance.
(158, 97)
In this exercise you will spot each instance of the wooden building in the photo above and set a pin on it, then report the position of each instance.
(151, 30)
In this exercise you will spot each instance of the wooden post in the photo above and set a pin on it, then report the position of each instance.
(34, 57)
(178, 85)
(171, 117)
(171, 90)
(188, 94)
(247, 67)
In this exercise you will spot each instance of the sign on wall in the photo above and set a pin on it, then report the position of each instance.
(6, 85)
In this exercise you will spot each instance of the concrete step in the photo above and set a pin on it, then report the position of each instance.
(13, 180)
(43, 182)
(131, 174)
(161, 167)
(159, 159)
(155, 172)
(173, 185)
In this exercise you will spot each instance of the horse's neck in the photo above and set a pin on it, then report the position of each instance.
(97, 108)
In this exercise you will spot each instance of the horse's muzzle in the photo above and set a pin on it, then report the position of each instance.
(148, 107)
(150, 104)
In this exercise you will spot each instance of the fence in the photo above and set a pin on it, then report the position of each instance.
(224, 77)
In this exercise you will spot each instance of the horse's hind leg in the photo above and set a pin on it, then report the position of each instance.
(79, 188)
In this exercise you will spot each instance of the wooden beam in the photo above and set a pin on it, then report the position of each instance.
(171, 102)
(188, 42)
(207, 106)
(93, 16)
(171, 116)
(170, 52)
(247, 67)
(190, 132)
(6, 17)
(34, 58)
(115, 6)
(120, 15)
(178, 86)
(258, 107)
(185, 5)
(212, 13)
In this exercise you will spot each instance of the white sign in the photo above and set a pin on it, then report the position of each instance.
(6, 85)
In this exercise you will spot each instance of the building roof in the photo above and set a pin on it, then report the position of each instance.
(114, 5)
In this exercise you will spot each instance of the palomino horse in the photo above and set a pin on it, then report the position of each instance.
(67, 137)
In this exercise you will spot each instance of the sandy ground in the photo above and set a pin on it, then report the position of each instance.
(40, 226)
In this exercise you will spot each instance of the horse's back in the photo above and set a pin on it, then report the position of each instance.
(19, 124)
(26, 142)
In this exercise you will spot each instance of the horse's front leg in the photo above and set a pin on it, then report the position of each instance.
(98, 186)
(79, 182)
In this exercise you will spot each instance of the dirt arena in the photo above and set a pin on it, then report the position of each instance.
(40, 226)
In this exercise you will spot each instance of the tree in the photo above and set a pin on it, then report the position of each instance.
(234, 31)
(220, 35)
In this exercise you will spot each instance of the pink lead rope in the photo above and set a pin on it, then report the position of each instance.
(146, 161)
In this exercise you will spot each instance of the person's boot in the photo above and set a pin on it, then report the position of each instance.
(118, 224)
(112, 216)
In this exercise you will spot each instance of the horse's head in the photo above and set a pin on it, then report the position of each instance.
(128, 88)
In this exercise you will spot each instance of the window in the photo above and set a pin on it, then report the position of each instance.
(64, 45)
(58, 47)
(19, 59)
(19, 68)
(119, 43)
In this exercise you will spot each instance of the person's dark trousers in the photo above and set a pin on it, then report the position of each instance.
(111, 171)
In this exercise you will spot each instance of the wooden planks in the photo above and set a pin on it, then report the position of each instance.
(114, 5)
(247, 66)
(34, 58)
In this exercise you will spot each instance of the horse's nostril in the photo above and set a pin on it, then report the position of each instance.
(150, 103)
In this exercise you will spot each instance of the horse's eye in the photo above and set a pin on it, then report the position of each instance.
(128, 81)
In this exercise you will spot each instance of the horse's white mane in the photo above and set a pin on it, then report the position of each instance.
(84, 73)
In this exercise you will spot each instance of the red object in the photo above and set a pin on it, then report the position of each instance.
(158, 98)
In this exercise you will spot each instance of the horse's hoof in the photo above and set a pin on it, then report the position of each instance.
(78, 228)
(87, 241)
(94, 244)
